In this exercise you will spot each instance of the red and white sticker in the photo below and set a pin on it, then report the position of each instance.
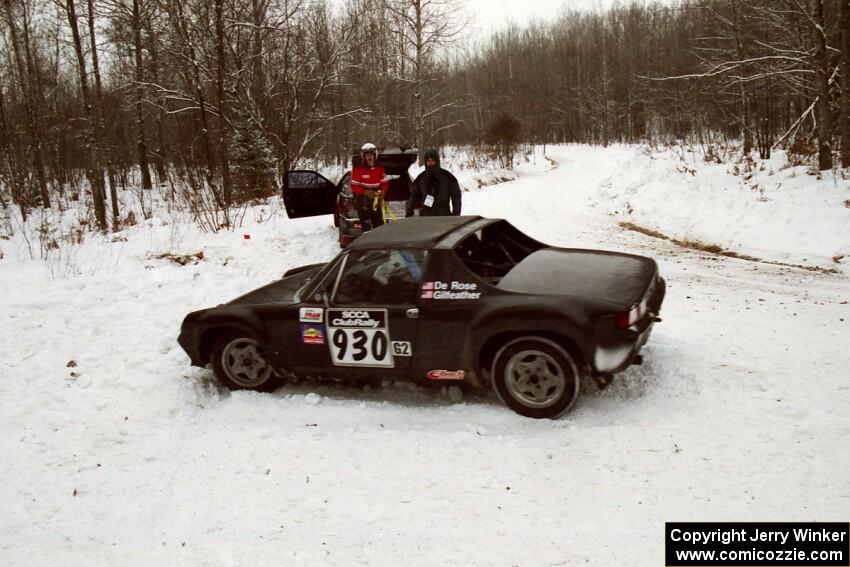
(446, 375)
(428, 290)
(310, 315)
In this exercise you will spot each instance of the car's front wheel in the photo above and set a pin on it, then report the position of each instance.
(239, 364)
(536, 377)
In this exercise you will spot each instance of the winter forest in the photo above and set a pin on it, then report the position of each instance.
(217, 99)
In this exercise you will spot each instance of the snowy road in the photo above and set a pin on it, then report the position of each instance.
(738, 413)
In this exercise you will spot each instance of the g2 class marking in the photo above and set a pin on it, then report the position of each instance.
(402, 348)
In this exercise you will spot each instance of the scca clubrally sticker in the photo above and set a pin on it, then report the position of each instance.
(359, 337)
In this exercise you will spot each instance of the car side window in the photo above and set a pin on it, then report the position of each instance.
(305, 180)
(381, 277)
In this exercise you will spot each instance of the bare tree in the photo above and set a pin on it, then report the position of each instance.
(424, 27)
(740, 51)
(140, 81)
(161, 152)
(99, 111)
(186, 51)
(26, 81)
(221, 69)
(844, 11)
(95, 173)
(822, 70)
(11, 172)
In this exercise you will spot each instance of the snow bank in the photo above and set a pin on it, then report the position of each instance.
(768, 209)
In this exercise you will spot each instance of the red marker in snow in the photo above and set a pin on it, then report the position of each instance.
(246, 236)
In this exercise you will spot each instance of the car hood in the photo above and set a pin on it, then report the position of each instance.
(280, 291)
(610, 276)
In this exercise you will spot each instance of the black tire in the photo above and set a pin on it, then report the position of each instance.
(238, 363)
(536, 377)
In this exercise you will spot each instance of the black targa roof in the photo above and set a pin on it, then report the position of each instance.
(413, 232)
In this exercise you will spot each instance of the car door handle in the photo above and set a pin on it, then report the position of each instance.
(413, 313)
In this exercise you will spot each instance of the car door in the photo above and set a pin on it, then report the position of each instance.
(372, 318)
(450, 299)
(308, 194)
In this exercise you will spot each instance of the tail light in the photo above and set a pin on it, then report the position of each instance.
(626, 319)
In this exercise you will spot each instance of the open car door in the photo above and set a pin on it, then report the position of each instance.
(308, 194)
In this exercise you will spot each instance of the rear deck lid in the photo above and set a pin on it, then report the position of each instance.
(610, 276)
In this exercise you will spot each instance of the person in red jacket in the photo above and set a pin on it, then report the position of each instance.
(369, 184)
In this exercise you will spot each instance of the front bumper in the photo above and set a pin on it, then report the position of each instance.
(188, 340)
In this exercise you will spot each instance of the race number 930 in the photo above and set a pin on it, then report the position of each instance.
(360, 346)
(359, 338)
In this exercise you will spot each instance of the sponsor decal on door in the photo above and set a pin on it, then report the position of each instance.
(359, 337)
(312, 334)
(310, 314)
(446, 375)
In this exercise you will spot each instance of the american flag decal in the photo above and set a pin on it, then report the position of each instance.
(427, 290)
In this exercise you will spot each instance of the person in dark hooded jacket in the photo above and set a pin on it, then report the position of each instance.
(435, 189)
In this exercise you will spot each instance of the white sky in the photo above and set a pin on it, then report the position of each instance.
(487, 16)
(493, 15)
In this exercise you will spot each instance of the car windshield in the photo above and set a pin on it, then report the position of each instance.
(308, 284)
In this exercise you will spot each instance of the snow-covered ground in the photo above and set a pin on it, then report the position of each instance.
(130, 456)
(766, 209)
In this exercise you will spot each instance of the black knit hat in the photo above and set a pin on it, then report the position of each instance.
(431, 153)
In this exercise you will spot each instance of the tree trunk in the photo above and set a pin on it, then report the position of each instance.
(140, 115)
(746, 131)
(222, 102)
(161, 157)
(822, 70)
(419, 127)
(26, 85)
(604, 92)
(844, 11)
(178, 21)
(10, 148)
(101, 122)
(95, 173)
(258, 77)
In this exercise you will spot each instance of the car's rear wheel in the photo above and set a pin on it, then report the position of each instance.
(239, 364)
(536, 377)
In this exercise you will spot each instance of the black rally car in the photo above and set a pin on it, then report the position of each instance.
(308, 193)
(443, 300)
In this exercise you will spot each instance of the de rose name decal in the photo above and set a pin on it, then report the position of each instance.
(450, 290)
